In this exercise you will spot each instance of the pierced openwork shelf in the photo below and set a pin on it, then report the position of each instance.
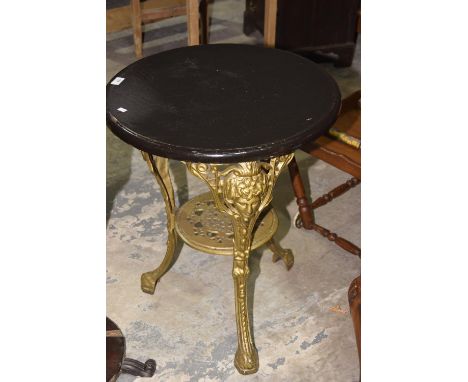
(203, 227)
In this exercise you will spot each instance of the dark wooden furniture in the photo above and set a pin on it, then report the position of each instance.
(311, 27)
(170, 8)
(116, 363)
(234, 114)
(328, 149)
(115, 350)
(354, 298)
(210, 104)
(338, 154)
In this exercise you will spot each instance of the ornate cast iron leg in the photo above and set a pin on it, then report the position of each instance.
(242, 191)
(160, 169)
(281, 253)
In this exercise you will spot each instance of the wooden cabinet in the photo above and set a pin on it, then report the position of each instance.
(315, 28)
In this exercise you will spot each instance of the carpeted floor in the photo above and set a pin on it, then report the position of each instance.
(188, 326)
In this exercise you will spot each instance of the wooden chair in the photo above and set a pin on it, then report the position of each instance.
(166, 9)
(340, 155)
(328, 149)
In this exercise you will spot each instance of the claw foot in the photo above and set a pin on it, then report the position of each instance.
(286, 255)
(280, 253)
(246, 363)
(148, 282)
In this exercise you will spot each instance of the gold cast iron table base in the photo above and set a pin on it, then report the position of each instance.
(233, 219)
(223, 103)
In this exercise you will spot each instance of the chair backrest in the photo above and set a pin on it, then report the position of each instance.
(150, 14)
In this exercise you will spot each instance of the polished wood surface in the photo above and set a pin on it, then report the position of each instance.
(333, 237)
(222, 103)
(337, 191)
(116, 363)
(305, 209)
(354, 298)
(115, 350)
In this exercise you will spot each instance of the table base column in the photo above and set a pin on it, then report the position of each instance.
(242, 191)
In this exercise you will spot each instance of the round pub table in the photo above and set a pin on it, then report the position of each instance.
(234, 114)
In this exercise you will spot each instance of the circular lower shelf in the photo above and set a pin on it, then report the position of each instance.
(203, 227)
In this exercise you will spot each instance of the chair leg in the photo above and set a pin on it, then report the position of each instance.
(354, 298)
(137, 31)
(306, 210)
(193, 17)
(205, 21)
(298, 186)
(269, 30)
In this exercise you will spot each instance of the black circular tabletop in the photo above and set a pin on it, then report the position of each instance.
(221, 103)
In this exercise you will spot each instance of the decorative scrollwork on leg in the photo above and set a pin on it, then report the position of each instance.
(281, 253)
(137, 368)
(242, 191)
(160, 169)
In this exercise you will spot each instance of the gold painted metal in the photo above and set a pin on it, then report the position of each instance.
(202, 226)
(239, 194)
(281, 253)
(160, 169)
(242, 191)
